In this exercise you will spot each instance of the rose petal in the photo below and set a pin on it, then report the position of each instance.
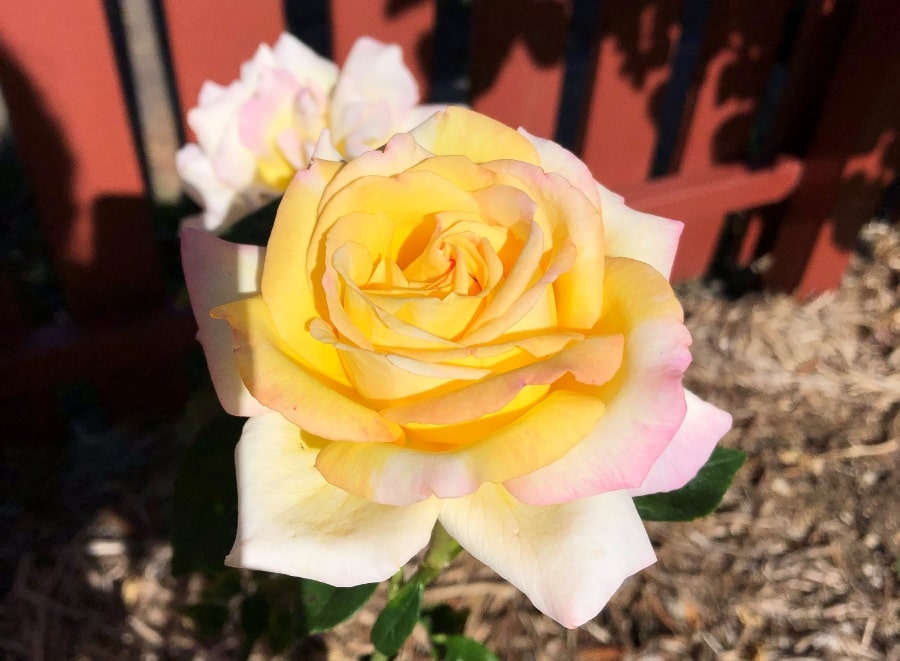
(293, 522)
(307, 66)
(216, 272)
(593, 360)
(373, 80)
(703, 426)
(642, 236)
(568, 559)
(292, 299)
(460, 131)
(645, 400)
(555, 158)
(284, 381)
(393, 474)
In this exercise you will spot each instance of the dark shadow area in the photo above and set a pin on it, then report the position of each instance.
(310, 22)
(451, 61)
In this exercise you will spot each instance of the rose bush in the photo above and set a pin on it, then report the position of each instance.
(465, 328)
(288, 104)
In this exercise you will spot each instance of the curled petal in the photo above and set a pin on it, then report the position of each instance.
(293, 522)
(568, 559)
(693, 443)
(216, 272)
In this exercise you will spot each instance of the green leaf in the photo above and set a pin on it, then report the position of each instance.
(463, 648)
(698, 497)
(255, 227)
(398, 618)
(326, 606)
(204, 516)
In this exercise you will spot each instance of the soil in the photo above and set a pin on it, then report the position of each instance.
(800, 561)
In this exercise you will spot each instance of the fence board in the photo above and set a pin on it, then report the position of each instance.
(409, 24)
(636, 41)
(739, 47)
(76, 147)
(854, 156)
(703, 199)
(518, 61)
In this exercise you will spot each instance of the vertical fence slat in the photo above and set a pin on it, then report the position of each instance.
(75, 144)
(408, 24)
(636, 43)
(210, 40)
(854, 155)
(518, 61)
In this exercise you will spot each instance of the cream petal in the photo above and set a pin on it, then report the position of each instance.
(291, 521)
(641, 236)
(218, 272)
(568, 559)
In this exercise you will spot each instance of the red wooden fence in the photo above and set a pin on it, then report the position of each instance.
(823, 148)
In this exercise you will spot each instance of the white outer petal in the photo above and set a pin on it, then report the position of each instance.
(291, 521)
(638, 235)
(304, 63)
(690, 448)
(568, 559)
(218, 272)
(220, 202)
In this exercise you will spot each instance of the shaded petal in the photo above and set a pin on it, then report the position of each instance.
(703, 426)
(283, 380)
(568, 559)
(217, 272)
(645, 400)
(396, 475)
(293, 522)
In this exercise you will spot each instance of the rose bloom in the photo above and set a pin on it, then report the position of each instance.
(288, 104)
(463, 328)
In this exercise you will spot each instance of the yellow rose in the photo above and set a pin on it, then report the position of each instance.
(464, 328)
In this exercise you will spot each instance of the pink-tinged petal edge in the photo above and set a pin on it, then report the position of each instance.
(568, 559)
(689, 449)
(217, 272)
(291, 521)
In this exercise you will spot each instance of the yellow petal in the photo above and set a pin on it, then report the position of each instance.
(391, 474)
(292, 299)
(473, 135)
